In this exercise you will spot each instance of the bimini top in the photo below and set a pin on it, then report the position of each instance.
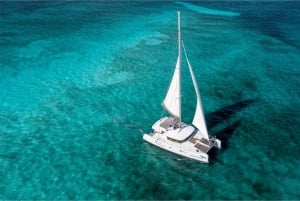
(180, 135)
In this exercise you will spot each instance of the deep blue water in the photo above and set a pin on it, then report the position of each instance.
(80, 81)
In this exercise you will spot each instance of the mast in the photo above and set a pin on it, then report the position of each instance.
(179, 62)
(172, 101)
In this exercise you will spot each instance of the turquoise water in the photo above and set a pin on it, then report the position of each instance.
(80, 80)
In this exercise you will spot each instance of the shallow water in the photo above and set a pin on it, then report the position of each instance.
(80, 80)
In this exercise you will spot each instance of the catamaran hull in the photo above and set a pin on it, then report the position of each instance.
(198, 156)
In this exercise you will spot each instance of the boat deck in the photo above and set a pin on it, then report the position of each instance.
(195, 143)
(170, 123)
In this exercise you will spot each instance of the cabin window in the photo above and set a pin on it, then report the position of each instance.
(173, 140)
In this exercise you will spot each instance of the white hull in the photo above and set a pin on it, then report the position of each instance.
(157, 141)
(189, 142)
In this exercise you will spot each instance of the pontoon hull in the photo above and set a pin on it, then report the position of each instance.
(198, 156)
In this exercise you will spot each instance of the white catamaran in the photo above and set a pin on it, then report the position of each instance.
(170, 133)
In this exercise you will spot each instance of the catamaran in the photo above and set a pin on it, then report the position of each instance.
(170, 133)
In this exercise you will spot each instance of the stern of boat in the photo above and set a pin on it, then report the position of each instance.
(216, 143)
(148, 137)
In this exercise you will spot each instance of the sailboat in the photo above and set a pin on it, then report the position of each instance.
(170, 133)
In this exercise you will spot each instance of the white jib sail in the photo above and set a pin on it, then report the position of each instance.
(199, 120)
(172, 101)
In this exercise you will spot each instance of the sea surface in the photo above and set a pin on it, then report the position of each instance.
(82, 80)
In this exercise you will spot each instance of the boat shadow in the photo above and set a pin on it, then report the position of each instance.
(219, 116)
(214, 118)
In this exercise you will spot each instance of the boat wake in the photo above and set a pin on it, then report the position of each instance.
(208, 11)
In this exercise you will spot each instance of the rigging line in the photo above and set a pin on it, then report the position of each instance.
(192, 75)
(135, 127)
(185, 52)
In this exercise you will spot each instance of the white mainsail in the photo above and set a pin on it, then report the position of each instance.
(199, 119)
(172, 101)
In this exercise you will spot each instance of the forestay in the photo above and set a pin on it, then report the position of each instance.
(199, 120)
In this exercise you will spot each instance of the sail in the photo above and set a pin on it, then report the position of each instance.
(199, 120)
(172, 101)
